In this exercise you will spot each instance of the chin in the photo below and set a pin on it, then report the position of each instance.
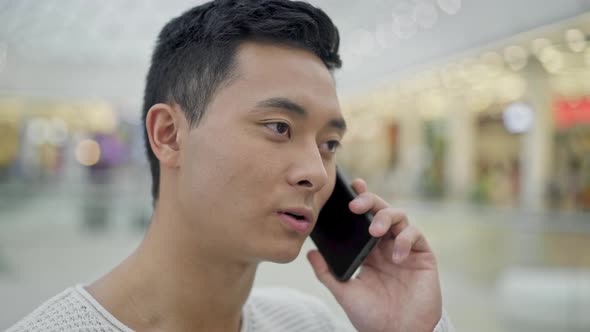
(284, 254)
(283, 259)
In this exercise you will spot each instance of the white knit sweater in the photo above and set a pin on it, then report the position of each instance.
(266, 310)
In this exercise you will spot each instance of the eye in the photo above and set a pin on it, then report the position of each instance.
(331, 146)
(281, 128)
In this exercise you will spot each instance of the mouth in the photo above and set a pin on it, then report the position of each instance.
(299, 220)
(296, 216)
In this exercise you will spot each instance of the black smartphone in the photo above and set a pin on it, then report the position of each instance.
(341, 236)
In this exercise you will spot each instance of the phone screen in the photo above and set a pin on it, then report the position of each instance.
(341, 236)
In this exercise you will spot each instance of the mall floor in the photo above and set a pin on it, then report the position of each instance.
(501, 269)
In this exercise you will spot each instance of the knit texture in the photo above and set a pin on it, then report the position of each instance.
(267, 310)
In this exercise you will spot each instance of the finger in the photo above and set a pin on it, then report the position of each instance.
(410, 239)
(388, 219)
(322, 272)
(359, 186)
(367, 201)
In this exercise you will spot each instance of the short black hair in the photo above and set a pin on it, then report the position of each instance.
(195, 52)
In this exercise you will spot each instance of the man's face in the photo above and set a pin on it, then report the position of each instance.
(264, 147)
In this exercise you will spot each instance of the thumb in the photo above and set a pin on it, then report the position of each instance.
(322, 272)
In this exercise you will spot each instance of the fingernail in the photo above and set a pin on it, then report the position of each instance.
(379, 225)
(397, 256)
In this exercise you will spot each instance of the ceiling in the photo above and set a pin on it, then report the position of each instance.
(82, 49)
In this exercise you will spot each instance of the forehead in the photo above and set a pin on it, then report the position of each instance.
(265, 71)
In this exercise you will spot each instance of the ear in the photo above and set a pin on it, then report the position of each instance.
(164, 124)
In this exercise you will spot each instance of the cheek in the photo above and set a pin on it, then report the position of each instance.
(210, 170)
(324, 194)
(226, 174)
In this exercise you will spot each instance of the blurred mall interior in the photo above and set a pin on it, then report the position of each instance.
(473, 116)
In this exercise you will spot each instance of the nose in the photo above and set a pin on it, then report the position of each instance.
(308, 171)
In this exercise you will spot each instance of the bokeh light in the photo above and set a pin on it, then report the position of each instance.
(510, 87)
(518, 117)
(552, 59)
(88, 152)
(516, 57)
(479, 98)
(576, 40)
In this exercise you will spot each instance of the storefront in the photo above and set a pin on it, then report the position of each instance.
(432, 184)
(493, 126)
(570, 185)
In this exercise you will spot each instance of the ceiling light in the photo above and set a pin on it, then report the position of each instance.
(516, 57)
(576, 40)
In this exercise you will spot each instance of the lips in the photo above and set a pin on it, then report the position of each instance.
(301, 214)
(296, 216)
(298, 219)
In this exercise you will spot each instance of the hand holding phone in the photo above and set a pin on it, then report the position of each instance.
(341, 236)
(402, 286)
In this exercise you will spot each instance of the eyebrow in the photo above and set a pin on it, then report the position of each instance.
(290, 106)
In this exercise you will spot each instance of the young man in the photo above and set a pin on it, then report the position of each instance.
(242, 123)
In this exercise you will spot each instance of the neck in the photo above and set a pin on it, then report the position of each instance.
(173, 283)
